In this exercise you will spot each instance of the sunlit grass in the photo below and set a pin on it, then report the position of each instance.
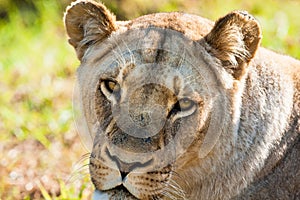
(37, 75)
(36, 82)
(34, 67)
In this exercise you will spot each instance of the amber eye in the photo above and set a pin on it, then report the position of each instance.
(112, 86)
(185, 104)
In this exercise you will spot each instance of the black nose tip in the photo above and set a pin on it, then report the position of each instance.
(124, 174)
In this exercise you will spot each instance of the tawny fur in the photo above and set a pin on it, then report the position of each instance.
(257, 155)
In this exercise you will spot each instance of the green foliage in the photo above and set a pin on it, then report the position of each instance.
(37, 67)
(36, 82)
(35, 62)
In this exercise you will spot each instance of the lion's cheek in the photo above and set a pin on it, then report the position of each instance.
(103, 177)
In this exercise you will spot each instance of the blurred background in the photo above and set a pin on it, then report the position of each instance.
(41, 156)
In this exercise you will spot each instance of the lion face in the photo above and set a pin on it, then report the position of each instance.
(146, 103)
(154, 100)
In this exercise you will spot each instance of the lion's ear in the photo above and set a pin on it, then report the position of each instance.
(87, 22)
(234, 40)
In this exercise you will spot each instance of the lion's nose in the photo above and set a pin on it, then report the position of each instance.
(124, 174)
(142, 119)
(124, 167)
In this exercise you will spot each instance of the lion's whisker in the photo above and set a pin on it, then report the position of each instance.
(176, 192)
(76, 176)
(132, 58)
(83, 158)
(119, 55)
(176, 186)
(173, 188)
(174, 173)
(168, 195)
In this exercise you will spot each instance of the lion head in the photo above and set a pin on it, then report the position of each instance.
(158, 95)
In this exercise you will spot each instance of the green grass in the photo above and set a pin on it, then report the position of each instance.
(35, 64)
(36, 82)
(38, 140)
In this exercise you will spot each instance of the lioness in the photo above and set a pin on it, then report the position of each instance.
(179, 107)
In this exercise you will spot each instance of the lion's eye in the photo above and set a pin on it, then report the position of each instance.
(111, 89)
(185, 104)
(112, 86)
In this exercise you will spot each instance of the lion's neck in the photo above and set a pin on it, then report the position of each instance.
(264, 119)
(252, 137)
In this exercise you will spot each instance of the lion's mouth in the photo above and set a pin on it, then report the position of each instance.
(119, 192)
(123, 180)
(125, 167)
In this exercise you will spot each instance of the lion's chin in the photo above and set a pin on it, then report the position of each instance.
(119, 192)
